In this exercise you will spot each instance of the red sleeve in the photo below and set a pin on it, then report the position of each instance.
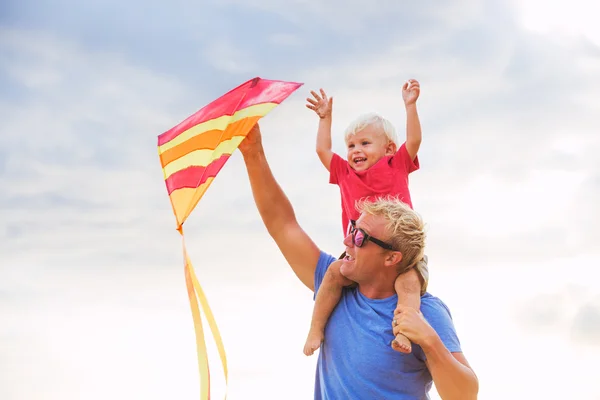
(337, 169)
(401, 160)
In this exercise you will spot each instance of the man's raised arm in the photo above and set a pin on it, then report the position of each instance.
(276, 211)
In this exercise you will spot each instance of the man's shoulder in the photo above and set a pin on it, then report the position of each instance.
(325, 258)
(438, 315)
(431, 304)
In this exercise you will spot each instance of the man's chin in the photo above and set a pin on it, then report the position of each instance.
(346, 268)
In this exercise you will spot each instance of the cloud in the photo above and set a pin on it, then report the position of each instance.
(82, 182)
(350, 17)
(586, 325)
(226, 57)
(571, 311)
(544, 312)
(559, 18)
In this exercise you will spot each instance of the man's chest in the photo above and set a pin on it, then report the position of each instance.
(361, 337)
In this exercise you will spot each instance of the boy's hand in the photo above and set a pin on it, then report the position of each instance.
(321, 105)
(410, 91)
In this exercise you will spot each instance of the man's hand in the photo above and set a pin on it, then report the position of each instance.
(452, 375)
(413, 325)
(321, 104)
(410, 91)
(252, 142)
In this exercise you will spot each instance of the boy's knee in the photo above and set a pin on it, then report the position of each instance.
(334, 275)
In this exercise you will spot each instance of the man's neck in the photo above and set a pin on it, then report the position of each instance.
(377, 290)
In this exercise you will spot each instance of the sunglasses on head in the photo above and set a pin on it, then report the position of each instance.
(360, 237)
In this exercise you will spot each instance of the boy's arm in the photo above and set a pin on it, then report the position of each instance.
(410, 93)
(322, 106)
(413, 131)
(324, 142)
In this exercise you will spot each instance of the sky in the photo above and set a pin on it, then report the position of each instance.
(92, 292)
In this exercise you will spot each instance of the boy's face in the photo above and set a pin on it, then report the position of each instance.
(368, 146)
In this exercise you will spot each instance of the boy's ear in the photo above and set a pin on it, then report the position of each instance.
(391, 149)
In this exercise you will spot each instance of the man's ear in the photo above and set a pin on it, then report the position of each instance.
(391, 148)
(393, 258)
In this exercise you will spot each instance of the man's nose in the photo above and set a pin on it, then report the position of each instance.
(348, 240)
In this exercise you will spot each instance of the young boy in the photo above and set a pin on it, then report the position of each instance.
(374, 166)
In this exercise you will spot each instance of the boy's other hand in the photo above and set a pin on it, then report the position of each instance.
(410, 91)
(320, 104)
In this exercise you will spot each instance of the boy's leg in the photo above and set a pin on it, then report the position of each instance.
(328, 296)
(409, 287)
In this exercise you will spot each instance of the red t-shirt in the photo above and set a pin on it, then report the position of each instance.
(389, 176)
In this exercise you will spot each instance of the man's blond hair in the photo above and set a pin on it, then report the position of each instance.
(406, 229)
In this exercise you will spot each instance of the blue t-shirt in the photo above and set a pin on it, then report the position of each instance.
(356, 360)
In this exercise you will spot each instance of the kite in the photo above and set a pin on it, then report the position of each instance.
(191, 155)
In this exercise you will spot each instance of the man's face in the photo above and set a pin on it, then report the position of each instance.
(362, 264)
(366, 147)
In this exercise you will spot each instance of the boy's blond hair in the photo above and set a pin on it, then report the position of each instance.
(368, 119)
(407, 233)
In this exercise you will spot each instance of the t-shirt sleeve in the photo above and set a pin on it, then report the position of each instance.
(401, 160)
(324, 262)
(337, 169)
(438, 315)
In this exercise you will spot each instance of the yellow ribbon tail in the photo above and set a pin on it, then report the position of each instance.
(196, 295)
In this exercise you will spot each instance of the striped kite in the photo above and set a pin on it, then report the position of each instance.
(191, 155)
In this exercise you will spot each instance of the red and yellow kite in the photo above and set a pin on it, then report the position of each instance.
(191, 155)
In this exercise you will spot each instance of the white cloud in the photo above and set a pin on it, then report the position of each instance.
(340, 16)
(560, 18)
(586, 325)
(227, 57)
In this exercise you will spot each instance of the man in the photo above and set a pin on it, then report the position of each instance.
(356, 360)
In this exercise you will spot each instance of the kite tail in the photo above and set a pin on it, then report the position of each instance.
(196, 295)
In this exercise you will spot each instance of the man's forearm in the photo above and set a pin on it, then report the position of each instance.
(273, 205)
(453, 379)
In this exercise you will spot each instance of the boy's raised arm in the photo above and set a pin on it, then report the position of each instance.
(410, 94)
(322, 106)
